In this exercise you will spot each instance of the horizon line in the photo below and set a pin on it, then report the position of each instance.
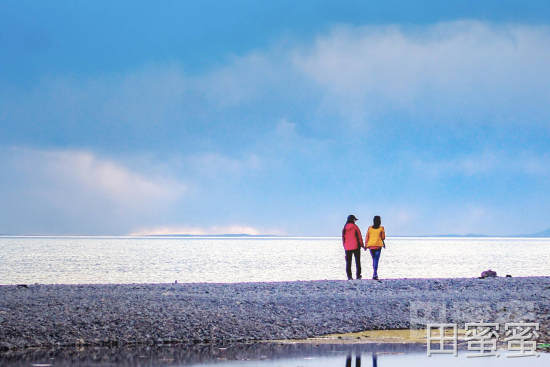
(266, 236)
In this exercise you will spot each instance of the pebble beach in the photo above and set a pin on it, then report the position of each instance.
(220, 314)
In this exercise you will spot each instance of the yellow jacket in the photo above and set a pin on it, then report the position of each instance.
(375, 237)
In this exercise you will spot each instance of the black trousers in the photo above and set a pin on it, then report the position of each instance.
(357, 254)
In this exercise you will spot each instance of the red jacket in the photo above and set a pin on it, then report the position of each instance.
(351, 237)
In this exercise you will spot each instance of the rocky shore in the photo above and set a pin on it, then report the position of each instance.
(221, 314)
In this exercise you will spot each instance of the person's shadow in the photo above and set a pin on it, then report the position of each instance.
(358, 360)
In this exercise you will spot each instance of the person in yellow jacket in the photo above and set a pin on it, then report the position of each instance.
(374, 242)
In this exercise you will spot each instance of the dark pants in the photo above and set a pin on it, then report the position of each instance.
(357, 254)
(375, 258)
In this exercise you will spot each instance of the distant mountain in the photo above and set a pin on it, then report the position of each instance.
(542, 234)
(462, 235)
(213, 235)
(539, 234)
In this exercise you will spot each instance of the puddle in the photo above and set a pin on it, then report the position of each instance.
(370, 336)
(264, 354)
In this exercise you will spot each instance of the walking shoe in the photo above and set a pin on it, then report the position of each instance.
(359, 277)
(375, 277)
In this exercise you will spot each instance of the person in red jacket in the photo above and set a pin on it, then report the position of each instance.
(352, 241)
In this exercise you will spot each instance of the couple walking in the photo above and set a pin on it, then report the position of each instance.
(353, 242)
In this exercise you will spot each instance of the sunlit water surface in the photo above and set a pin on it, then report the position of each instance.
(160, 260)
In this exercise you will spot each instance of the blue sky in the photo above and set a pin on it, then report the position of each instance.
(274, 117)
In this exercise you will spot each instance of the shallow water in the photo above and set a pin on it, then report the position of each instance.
(287, 355)
(164, 260)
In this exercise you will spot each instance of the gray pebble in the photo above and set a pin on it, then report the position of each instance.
(69, 315)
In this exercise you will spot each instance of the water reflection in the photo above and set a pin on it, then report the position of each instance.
(260, 354)
(181, 355)
(358, 360)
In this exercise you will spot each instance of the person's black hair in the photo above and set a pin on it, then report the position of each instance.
(376, 221)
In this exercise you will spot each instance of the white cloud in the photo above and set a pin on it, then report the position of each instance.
(148, 96)
(244, 79)
(201, 231)
(449, 69)
(213, 164)
(107, 178)
(467, 71)
(285, 140)
(285, 128)
(68, 191)
(484, 163)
